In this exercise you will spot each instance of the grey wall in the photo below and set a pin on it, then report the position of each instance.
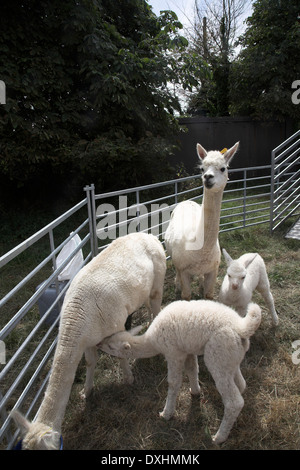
(257, 139)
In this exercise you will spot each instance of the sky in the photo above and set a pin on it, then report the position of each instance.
(184, 9)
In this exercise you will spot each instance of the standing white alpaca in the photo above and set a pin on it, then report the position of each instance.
(192, 235)
(123, 277)
(183, 330)
(244, 275)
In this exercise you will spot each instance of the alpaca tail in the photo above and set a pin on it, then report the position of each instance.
(249, 324)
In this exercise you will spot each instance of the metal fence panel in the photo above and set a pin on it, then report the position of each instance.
(285, 181)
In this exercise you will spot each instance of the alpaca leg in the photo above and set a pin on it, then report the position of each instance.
(175, 368)
(233, 404)
(240, 381)
(185, 286)
(91, 357)
(268, 298)
(209, 284)
(156, 293)
(126, 370)
(156, 300)
(192, 369)
(178, 280)
(222, 356)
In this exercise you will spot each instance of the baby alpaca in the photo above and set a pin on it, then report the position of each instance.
(244, 275)
(183, 330)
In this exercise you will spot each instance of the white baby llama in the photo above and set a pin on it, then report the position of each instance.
(245, 275)
(192, 235)
(183, 330)
(123, 277)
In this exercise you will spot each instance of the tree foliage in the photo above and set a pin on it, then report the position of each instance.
(213, 37)
(87, 91)
(262, 76)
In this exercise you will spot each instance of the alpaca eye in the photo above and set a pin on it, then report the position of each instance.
(223, 169)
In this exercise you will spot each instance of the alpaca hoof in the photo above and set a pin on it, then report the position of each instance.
(129, 379)
(195, 393)
(275, 320)
(186, 297)
(83, 394)
(165, 415)
(209, 297)
(217, 439)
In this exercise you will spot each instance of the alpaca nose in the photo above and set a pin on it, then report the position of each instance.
(235, 286)
(208, 176)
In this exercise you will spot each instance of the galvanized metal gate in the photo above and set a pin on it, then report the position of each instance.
(285, 181)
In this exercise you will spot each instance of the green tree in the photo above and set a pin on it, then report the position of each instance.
(213, 37)
(261, 77)
(87, 92)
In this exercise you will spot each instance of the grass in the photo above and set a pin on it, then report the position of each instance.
(119, 416)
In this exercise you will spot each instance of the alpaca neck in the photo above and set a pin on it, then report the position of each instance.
(58, 391)
(211, 209)
(141, 347)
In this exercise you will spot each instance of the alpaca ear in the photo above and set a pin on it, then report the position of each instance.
(230, 153)
(20, 420)
(250, 260)
(201, 152)
(134, 331)
(227, 257)
(51, 440)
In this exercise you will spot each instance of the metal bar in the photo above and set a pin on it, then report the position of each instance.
(289, 139)
(29, 384)
(285, 152)
(38, 235)
(287, 216)
(29, 276)
(29, 304)
(291, 178)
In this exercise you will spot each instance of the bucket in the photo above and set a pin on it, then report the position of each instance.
(47, 299)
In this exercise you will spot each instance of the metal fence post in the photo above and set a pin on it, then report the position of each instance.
(138, 210)
(176, 192)
(90, 195)
(272, 190)
(245, 196)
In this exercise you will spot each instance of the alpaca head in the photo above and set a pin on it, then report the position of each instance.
(236, 270)
(214, 167)
(119, 344)
(36, 436)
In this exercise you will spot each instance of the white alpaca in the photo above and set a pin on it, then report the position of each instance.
(244, 276)
(192, 235)
(126, 275)
(183, 330)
